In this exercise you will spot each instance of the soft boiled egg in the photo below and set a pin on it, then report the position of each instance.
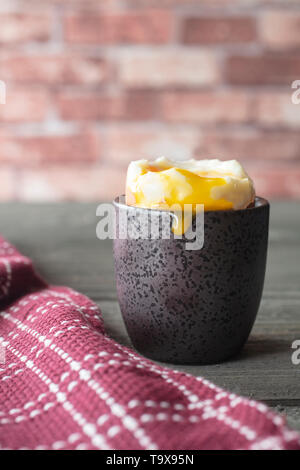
(161, 183)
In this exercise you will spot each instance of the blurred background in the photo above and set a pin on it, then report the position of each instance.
(94, 84)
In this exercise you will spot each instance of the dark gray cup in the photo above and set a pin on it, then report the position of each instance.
(191, 306)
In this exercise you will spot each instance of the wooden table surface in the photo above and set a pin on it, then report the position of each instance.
(61, 239)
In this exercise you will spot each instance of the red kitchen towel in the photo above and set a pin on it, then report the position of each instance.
(64, 384)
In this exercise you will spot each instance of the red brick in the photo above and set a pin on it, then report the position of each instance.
(265, 69)
(112, 182)
(24, 105)
(21, 27)
(281, 29)
(54, 69)
(252, 146)
(277, 109)
(60, 182)
(153, 27)
(159, 68)
(89, 106)
(275, 183)
(124, 143)
(141, 104)
(207, 107)
(37, 150)
(219, 30)
(99, 106)
(7, 186)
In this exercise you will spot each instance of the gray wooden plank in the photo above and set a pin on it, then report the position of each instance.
(292, 414)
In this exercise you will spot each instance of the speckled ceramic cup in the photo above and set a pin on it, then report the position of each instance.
(192, 307)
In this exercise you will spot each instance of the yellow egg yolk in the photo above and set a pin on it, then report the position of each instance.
(191, 189)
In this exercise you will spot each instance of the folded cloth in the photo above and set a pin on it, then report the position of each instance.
(65, 384)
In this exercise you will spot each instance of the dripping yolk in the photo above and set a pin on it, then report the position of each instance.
(164, 189)
(213, 184)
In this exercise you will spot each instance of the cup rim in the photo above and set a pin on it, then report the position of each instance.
(260, 202)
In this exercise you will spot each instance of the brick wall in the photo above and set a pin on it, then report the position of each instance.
(94, 84)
